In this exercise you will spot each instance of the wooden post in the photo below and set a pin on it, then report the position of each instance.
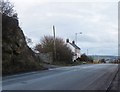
(54, 56)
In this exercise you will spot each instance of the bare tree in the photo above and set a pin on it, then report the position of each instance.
(7, 8)
(63, 53)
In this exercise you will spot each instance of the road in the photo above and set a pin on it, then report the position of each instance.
(82, 77)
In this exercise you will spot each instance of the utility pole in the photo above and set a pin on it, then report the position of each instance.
(54, 55)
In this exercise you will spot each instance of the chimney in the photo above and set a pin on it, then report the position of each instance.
(67, 40)
(73, 42)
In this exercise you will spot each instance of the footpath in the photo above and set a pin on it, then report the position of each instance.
(115, 85)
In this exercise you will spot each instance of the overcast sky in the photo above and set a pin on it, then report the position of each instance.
(98, 22)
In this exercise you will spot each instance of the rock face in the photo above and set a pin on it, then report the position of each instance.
(16, 55)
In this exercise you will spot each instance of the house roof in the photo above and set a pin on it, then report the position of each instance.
(74, 45)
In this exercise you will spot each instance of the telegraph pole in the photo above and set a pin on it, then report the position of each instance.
(54, 55)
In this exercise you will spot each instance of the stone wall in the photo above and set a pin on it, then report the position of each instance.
(45, 57)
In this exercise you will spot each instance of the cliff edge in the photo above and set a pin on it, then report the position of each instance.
(16, 55)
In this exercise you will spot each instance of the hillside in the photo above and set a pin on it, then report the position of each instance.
(96, 57)
(16, 55)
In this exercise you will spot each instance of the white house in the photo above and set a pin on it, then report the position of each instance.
(75, 49)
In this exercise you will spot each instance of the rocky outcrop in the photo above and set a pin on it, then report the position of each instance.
(16, 55)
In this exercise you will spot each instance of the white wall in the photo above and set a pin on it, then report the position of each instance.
(75, 51)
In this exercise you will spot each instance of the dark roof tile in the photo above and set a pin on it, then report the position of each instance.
(74, 45)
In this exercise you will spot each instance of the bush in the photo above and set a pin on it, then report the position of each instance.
(85, 58)
(102, 61)
(63, 53)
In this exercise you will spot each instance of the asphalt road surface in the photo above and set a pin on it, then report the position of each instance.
(82, 77)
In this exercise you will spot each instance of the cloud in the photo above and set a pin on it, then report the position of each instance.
(97, 22)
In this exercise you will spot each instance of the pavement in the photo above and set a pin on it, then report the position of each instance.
(81, 77)
(115, 85)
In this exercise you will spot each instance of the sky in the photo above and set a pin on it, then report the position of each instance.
(96, 19)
